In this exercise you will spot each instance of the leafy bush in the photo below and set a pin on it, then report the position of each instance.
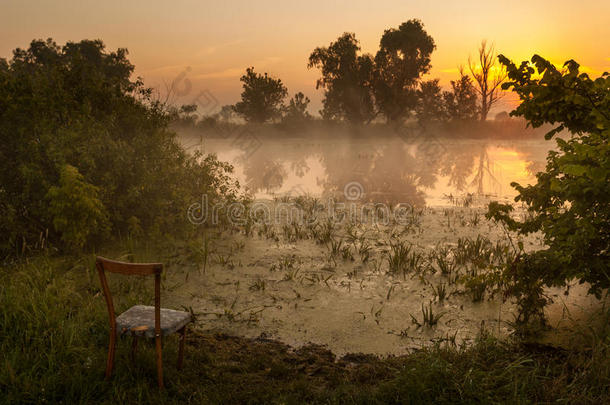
(75, 208)
(77, 105)
(570, 203)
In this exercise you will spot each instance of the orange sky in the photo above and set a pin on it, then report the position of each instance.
(217, 40)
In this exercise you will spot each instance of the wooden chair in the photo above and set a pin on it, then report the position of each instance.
(141, 320)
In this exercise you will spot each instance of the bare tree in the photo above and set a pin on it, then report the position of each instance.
(488, 79)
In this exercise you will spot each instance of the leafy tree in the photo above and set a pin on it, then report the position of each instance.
(184, 116)
(262, 97)
(488, 80)
(461, 101)
(75, 208)
(430, 108)
(346, 80)
(76, 106)
(403, 57)
(570, 203)
(296, 111)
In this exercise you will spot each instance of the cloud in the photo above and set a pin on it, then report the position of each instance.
(221, 74)
(165, 69)
(259, 66)
(215, 48)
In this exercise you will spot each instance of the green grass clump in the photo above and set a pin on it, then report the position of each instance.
(402, 258)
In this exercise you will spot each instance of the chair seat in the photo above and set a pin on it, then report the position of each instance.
(140, 320)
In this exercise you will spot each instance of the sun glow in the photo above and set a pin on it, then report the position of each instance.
(219, 40)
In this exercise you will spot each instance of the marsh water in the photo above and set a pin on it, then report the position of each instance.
(273, 283)
(419, 171)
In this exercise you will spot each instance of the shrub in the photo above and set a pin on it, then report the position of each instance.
(77, 105)
(75, 208)
(570, 203)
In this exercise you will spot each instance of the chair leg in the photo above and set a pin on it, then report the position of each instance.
(134, 348)
(159, 362)
(181, 347)
(111, 350)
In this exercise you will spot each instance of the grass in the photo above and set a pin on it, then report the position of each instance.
(325, 232)
(258, 285)
(53, 342)
(364, 250)
(429, 318)
(398, 257)
(440, 291)
(443, 262)
(476, 286)
(200, 253)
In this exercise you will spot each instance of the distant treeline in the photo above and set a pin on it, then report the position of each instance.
(360, 89)
(217, 126)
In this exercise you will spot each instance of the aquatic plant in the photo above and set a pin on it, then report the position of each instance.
(268, 231)
(291, 274)
(258, 285)
(326, 232)
(441, 256)
(336, 247)
(476, 286)
(429, 318)
(398, 257)
(225, 260)
(351, 233)
(364, 250)
(477, 252)
(439, 291)
(415, 262)
(346, 253)
(200, 252)
(237, 246)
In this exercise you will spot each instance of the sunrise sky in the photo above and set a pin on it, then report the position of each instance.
(217, 40)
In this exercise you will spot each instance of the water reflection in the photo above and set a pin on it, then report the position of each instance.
(390, 170)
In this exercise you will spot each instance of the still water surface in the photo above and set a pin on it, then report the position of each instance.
(386, 169)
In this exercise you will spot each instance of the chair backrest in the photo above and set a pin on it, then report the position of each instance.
(142, 269)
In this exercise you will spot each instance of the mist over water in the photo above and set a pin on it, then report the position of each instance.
(389, 169)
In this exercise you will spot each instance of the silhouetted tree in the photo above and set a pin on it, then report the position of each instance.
(346, 80)
(461, 101)
(403, 57)
(262, 97)
(226, 113)
(295, 112)
(184, 116)
(488, 78)
(430, 107)
(502, 116)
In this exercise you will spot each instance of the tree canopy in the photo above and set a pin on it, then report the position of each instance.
(461, 101)
(346, 80)
(403, 57)
(295, 113)
(570, 203)
(262, 97)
